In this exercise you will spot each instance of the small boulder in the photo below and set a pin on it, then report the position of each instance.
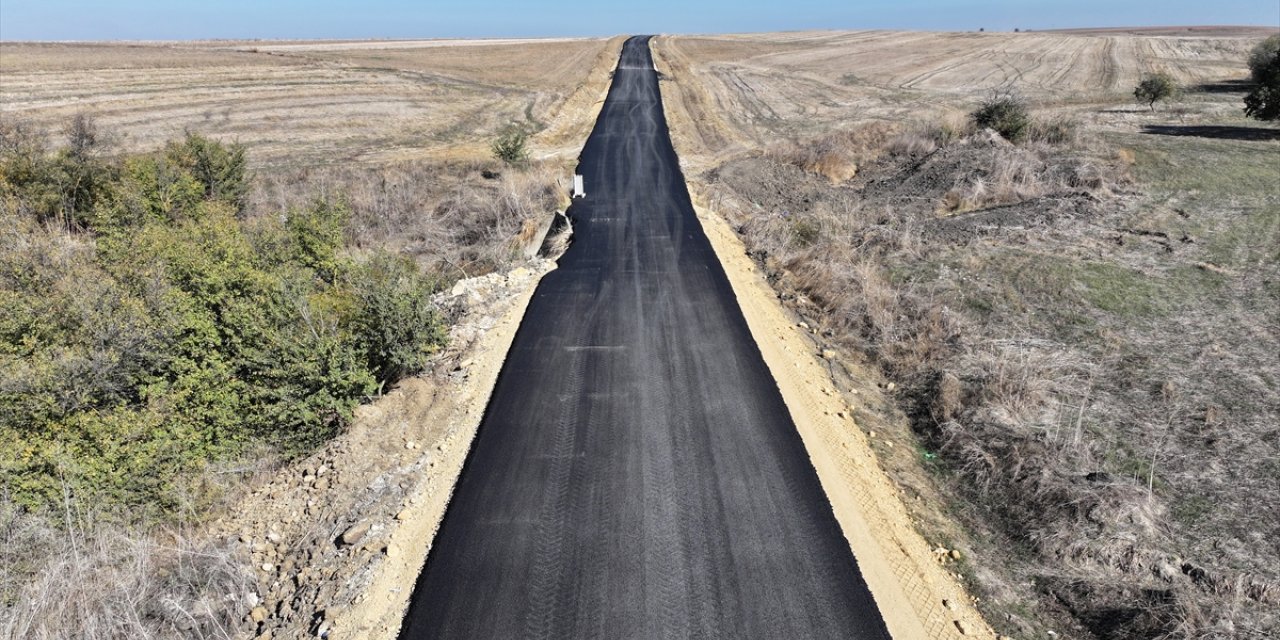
(355, 533)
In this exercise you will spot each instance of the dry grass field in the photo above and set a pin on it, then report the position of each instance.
(304, 103)
(1073, 334)
(739, 92)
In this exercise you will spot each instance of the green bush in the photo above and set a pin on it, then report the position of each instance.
(805, 232)
(220, 169)
(1006, 113)
(316, 236)
(168, 332)
(55, 188)
(1263, 102)
(401, 329)
(511, 146)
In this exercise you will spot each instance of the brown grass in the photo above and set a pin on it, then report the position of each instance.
(459, 219)
(1037, 320)
(97, 580)
(837, 155)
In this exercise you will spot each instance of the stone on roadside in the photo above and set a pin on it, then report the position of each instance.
(355, 533)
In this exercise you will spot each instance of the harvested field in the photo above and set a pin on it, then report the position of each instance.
(744, 91)
(302, 105)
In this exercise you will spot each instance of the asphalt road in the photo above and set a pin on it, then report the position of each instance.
(636, 474)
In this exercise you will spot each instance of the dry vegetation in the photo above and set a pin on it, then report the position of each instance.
(460, 219)
(99, 580)
(1080, 329)
(397, 134)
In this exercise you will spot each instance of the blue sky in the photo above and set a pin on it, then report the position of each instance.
(182, 19)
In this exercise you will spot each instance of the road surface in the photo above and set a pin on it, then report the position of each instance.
(636, 475)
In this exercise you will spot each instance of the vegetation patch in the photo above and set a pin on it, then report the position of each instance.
(151, 328)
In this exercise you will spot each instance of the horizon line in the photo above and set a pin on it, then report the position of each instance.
(1198, 27)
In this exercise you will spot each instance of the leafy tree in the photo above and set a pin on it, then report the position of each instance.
(27, 172)
(1263, 102)
(85, 173)
(149, 189)
(1156, 87)
(1005, 112)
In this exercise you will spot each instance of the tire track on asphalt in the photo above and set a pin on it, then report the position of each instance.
(548, 565)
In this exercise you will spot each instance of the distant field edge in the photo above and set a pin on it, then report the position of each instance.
(1219, 31)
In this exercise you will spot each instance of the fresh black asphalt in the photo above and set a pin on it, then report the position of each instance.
(636, 475)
